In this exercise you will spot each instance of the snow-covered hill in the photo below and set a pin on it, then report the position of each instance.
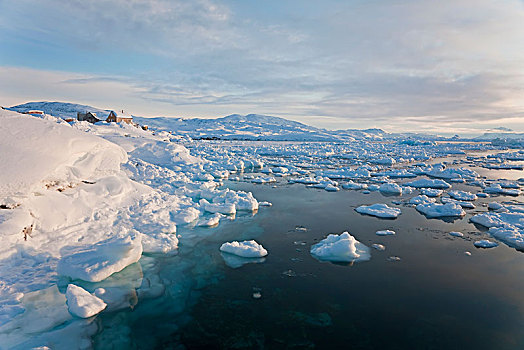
(62, 110)
(238, 127)
(232, 127)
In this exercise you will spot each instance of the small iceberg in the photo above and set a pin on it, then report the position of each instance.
(245, 249)
(379, 210)
(81, 303)
(340, 248)
(385, 233)
(432, 210)
(485, 244)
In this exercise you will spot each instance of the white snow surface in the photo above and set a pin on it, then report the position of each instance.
(341, 248)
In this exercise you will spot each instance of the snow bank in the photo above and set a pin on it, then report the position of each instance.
(245, 249)
(37, 153)
(81, 303)
(379, 210)
(341, 248)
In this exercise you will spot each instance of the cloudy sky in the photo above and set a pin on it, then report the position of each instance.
(450, 66)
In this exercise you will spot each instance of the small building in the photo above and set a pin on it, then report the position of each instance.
(113, 117)
(87, 116)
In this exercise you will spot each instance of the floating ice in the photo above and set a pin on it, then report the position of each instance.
(97, 262)
(484, 243)
(245, 249)
(498, 189)
(350, 185)
(429, 183)
(379, 247)
(456, 234)
(422, 199)
(391, 188)
(379, 210)
(385, 233)
(432, 210)
(462, 195)
(431, 192)
(340, 248)
(83, 304)
(512, 236)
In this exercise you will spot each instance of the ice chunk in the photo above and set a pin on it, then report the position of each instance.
(484, 243)
(246, 249)
(422, 199)
(340, 248)
(511, 235)
(456, 234)
(379, 247)
(385, 233)
(379, 210)
(350, 185)
(391, 187)
(432, 210)
(97, 262)
(431, 192)
(462, 195)
(222, 208)
(429, 183)
(83, 304)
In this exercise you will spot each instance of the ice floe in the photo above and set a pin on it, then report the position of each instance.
(433, 210)
(245, 249)
(341, 248)
(81, 303)
(379, 210)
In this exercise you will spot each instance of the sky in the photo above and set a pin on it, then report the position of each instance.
(427, 66)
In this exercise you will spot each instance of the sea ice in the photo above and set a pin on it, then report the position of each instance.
(429, 183)
(379, 210)
(385, 233)
(462, 195)
(484, 243)
(432, 210)
(431, 192)
(340, 248)
(97, 262)
(422, 199)
(81, 303)
(391, 188)
(245, 249)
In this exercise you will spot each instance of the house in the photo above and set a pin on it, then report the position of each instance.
(88, 116)
(117, 118)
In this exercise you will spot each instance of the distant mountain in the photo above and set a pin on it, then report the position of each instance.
(62, 110)
(232, 127)
(241, 127)
(501, 135)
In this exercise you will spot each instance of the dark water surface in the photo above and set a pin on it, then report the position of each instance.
(435, 297)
